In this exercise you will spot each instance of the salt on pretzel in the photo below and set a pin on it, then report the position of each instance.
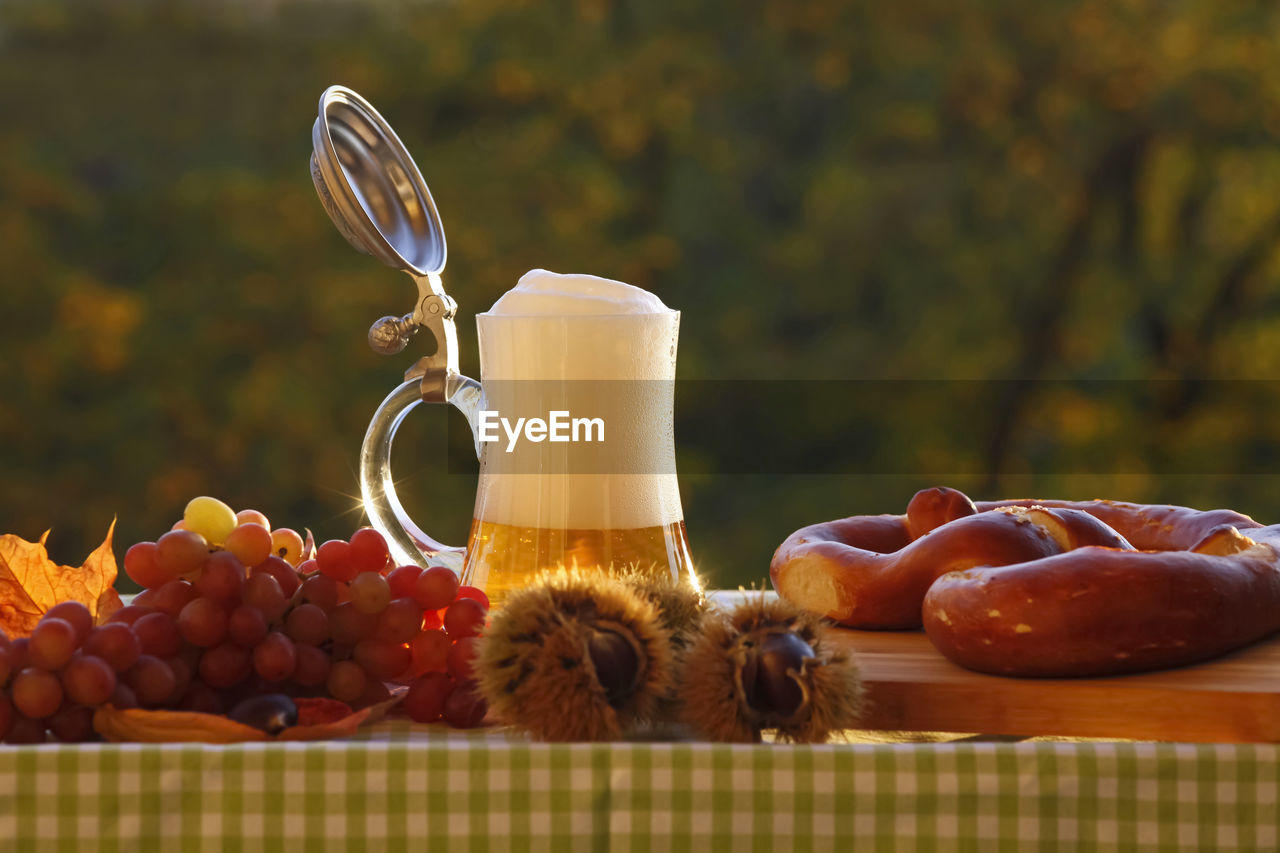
(1085, 603)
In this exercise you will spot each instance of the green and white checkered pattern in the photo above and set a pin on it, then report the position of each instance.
(411, 787)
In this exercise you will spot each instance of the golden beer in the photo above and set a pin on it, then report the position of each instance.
(502, 558)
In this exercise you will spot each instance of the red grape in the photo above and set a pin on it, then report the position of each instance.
(203, 623)
(275, 658)
(475, 594)
(72, 724)
(115, 643)
(151, 680)
(89, 680)
(36, 693)
(464, 618)
(346, 681)
(263, 592)
(18, 653)
(53, 641)
(76, 614)
(24, 730)
(430, 651)
(225, 666)
(246, 626)
(334, 558)
(462, 656)
(6, 714)
(123, 696)
(201, 698)
(174, 596)
(464, 708)
(140, 566)
(347, 625)
(400, 621)
(131, 613)
(180, 552)
(307, 624)
(158, 635)
(382, 659)
(181, 677)
(436, 588)
(282, 572)
(6, 666)
(322, 591)
(313, 666)
(222, 577)
(402, 580)
(424, 703)
(368, 550)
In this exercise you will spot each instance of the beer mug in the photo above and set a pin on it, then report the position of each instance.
(573, 419)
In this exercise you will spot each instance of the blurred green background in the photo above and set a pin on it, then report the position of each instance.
(1030, 197)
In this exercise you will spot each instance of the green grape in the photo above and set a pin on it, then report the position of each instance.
(209, 517)
(370, 592)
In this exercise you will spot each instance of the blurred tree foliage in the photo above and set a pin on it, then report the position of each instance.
(1025, 198)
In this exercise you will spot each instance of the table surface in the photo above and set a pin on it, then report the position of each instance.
(397, 785)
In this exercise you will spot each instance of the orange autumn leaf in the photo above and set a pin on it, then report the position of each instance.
(31, 583)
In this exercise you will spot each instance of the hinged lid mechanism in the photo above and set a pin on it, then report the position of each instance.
(371, 188)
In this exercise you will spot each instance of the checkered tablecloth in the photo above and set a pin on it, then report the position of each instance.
(403, 787)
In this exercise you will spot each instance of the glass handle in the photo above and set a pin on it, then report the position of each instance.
(408, 543)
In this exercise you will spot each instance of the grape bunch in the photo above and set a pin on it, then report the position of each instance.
(232, 609)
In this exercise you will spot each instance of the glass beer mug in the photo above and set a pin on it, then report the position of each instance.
(573, 423)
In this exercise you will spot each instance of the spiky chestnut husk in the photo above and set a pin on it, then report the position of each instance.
(681, 605)
(768, 665)
(682, 609)
(576, 656)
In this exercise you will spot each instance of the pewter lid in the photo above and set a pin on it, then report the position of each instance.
(371, 188)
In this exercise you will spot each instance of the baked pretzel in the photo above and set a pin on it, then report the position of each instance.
(1044, 587)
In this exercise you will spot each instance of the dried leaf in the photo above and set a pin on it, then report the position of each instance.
(308, 547)
(327, 718)
(31, 583)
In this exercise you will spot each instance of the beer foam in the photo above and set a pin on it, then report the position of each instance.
(540, 292)
(538, 344)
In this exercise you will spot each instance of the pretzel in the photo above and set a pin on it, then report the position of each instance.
(1046, 588)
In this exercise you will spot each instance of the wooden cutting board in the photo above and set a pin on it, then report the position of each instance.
(910, 687)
